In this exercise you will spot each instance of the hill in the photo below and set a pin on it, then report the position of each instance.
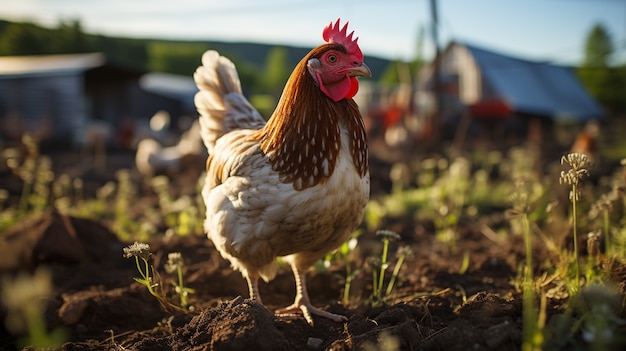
(169, 56)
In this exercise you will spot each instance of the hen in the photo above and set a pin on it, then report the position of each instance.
(153, 158)
(296, 186)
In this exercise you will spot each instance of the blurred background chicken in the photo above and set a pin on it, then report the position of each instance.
(296, 186)
(587, 142)
(152, 158)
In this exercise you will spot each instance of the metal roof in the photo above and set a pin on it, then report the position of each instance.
(536, 88)
(168, 84)
(49, 64)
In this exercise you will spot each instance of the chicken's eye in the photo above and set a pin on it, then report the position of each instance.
(331, 58)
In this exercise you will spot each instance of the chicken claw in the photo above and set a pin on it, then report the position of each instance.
(302, 304)
(306, 309)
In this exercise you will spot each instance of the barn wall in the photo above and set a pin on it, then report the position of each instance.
(47, 106)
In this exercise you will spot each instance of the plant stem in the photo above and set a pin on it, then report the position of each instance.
(528, 244)
(346, 290)
(607, 235)
(139, 267)
(181, 286)
(577, 285)
(146, 275)
(383, 266)
(23, 206)
(394, 275)
(529, 315)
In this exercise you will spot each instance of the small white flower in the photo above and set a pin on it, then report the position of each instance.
(137, 250)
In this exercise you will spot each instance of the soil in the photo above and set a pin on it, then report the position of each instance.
(440, 301)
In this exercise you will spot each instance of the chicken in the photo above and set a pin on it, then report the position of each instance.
(153, 158)
(587, 140)
(296, 186)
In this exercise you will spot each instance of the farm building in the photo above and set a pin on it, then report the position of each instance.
(64, 98)
(483, 91)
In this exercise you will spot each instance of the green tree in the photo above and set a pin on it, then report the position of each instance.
(69, 37)
(605, 82)
(24, 39)
(176, 58)
(31, 39)
(598, 47)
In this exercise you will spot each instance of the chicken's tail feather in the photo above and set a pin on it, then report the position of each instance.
(220, 102)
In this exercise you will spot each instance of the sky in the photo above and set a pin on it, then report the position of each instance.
(546, 30)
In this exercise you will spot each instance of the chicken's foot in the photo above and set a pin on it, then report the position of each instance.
(253, 287)
(302, 304)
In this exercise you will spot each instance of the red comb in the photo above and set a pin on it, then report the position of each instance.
(333, 34)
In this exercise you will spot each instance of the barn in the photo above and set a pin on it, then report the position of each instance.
(60, 98)
(483, 91)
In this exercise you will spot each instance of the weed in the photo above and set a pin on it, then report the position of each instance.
(150, 278)
(181, 215)
(141, 251)
(521, 200)
(380, 264)
(343, 254)
(449, 195)
(35, 172)
(574, 177)
(403, 253)
(24, 298)
(175, 264)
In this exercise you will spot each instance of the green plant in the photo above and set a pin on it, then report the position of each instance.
(521, 200)
(149, 277)
(380, 264)
(175, 264)
(449, 194)
(345, 256)
(24, 298)
(402, 254)
(141, 253)
(574, 177)
(152, 280)
(35, 172)
(181, 215)
(601, 209)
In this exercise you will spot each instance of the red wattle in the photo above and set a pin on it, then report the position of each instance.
(354, 88)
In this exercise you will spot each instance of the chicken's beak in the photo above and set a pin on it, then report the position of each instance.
(362, 71)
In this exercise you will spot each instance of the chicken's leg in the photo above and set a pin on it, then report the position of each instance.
(302, 304)
(253, 287)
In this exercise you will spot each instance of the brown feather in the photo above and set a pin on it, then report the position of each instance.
(302, 138)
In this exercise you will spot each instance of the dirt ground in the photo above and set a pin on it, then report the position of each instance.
(436, 305)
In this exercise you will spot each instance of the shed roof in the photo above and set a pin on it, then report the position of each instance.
(181, 88)
(536, 88)
(49, 64)
(168, 84)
